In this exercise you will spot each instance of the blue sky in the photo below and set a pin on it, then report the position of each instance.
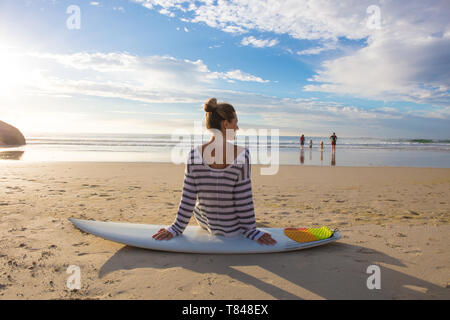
(147, 66)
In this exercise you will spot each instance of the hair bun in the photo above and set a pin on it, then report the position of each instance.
(210, 105)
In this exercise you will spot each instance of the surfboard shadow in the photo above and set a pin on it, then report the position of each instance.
(333, 271)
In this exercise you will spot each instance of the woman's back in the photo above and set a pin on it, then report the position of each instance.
(237, 150)
(221, 199)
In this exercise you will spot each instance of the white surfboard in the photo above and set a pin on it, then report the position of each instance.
(194, 239)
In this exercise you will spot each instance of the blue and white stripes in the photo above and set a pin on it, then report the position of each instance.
(221, 199)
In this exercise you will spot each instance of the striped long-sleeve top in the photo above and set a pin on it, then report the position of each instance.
(221, 199)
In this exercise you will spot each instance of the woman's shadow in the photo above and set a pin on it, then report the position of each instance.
(333, 271)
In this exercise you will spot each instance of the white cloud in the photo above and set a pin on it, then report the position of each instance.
(94, 3)
(316, 19)
(241, 76)
(233, 29)
(316, 50)
(121, 9)
(258, 43)
(126, 79)
(167, 12)
(405, 59)
(404, 69)
(126, 76)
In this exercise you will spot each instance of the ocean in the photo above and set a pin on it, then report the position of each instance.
(286, 151)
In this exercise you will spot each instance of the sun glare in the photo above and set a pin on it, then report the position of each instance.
(13, 72)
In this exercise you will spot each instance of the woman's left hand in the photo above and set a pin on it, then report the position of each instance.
(267, 239)
(163, 234)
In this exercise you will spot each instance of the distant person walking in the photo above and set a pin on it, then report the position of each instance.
(302, 141)
(333, 139)
(321, 145)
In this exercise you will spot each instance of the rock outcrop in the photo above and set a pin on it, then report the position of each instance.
(10, 136)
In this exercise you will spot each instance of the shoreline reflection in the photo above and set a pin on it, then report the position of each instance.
(11, 155)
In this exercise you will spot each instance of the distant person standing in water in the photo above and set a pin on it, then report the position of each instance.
(321, 151)
(302, 141)
(310, 144)
(333, 139)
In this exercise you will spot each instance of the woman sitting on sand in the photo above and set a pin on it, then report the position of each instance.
(223, 188)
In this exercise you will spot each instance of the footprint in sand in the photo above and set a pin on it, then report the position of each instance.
(376, 236)
(414, 252)
(3, 286)
(393, 245)
(46, 254)
(80, 244)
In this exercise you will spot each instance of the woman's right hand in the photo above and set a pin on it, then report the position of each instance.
(163, 234)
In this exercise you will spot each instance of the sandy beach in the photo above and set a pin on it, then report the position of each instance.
(395, 218)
